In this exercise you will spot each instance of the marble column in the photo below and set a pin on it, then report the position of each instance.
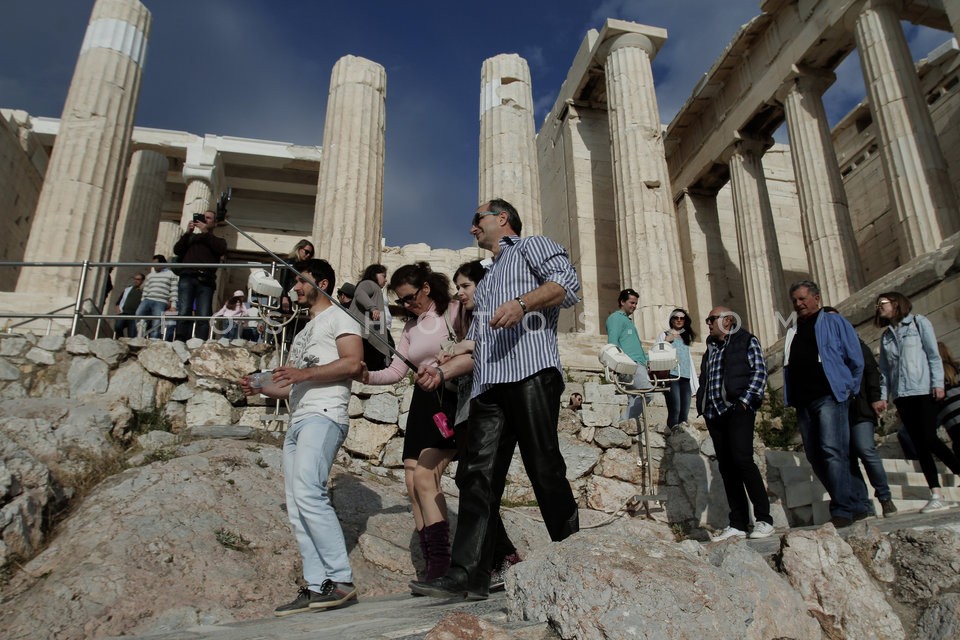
(143, 197)
(701, 253)
(827, 229)
(952, 8)
(80, 200)
(916, 172)
(508, 150)
(201, 180)
(648, 245)
(168, 232)
(760, 264)
(348, 219)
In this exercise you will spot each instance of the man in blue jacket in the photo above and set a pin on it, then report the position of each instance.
(823, 366)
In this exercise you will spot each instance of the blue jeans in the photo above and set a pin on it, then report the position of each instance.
(194, 294)
(678, 402)
(152, 308)
(309, 450)
(862, 447)
(825, 429)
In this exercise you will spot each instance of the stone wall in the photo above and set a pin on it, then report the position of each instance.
(196, 384)
(22, 165)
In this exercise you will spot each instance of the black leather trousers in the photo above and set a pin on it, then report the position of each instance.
(518, 413)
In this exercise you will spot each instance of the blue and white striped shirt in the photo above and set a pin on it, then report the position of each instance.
(510, 355)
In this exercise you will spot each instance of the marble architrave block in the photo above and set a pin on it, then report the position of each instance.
(80, 200)
(508, 154)
(348, 218)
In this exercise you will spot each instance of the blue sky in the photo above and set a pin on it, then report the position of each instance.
(261, 69)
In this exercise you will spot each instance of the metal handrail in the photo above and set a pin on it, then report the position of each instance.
(77, 313)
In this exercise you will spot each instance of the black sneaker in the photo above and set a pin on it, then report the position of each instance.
(333, 594)
(301, 604)
(840, 522)
(888, 507)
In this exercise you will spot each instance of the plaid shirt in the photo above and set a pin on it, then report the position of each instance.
(716, 404)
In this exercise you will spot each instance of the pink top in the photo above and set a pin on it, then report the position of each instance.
(419, 343)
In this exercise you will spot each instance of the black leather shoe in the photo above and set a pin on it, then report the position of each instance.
(442, 587)
(840, 522)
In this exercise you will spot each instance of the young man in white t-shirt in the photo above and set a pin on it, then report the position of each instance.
(324, 358)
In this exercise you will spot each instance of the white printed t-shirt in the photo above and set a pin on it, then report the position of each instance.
(316, 345)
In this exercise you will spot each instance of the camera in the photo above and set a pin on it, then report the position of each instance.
(222, 204)
(198, 217)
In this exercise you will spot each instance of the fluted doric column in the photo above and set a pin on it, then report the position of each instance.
(508, 151)
(348, 219)
(648, 246)
(827, 230)
(913, 163)
(701, 252)
(80, 199)
(760, 264)
(952, 8)
(140, 210)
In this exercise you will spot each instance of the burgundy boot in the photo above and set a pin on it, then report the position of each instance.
(438, 549)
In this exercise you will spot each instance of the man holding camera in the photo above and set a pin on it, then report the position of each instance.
(195, 291)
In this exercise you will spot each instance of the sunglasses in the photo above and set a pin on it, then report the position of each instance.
(480, 214)
(405, 300)
(712, 319)
(882, 302)
(308, 252)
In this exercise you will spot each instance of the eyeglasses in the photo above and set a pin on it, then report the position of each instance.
(405, 300)
(480, 214)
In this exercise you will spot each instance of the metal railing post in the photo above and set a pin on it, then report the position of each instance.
(79, 303)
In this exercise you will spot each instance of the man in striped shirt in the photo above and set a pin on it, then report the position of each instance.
(515, 398)
(159, 294)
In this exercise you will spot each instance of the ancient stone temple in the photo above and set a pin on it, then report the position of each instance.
(705, 210)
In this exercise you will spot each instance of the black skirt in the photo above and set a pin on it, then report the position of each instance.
(422, 432)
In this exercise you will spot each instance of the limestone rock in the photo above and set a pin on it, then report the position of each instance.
(393, 454)
(218, 431)
(580, 457)
(382, 407)
(213, 360)
(367, 438)
(605, 494)
(620, 464)
(13, 346)
(109, 350)
(837, 589)
(569, 421)
(40, 356)
(460, 625)
(230, 390)
(133, 382)
(207, 407)
(88, 375)
(153, 440)
(53, 342)
(8, 371)
(161, 360)
(599, 585)
(183, 392)
(355, 407)
(941, 620)
(600, 415)
(608, 437)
